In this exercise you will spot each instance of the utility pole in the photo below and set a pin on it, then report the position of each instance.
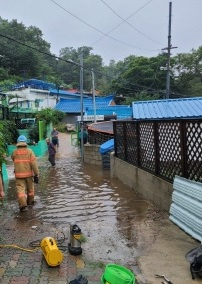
(93, 89)
(168, 54)
(169, 47)
(81, 94)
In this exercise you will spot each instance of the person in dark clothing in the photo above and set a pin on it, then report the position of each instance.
(51, 152)
(85, 135)
(55, 140)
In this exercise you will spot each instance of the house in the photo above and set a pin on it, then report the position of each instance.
(33, 95)
(73, 107)
(104, 106)
(30, 96)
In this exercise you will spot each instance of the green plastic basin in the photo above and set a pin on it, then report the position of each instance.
(117, 274)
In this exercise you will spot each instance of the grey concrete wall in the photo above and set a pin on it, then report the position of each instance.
(92, 154)
(152, 188)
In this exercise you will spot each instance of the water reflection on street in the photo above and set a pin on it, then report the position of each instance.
(111, 215)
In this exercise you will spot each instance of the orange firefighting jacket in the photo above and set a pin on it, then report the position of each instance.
(25, 164)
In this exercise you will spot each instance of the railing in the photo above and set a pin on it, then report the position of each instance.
(164, 148)
(97, 137)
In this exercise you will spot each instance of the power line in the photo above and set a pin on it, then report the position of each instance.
(104, 34)
(49, 54)
(40, 51)
(125, 20)
(59, 58)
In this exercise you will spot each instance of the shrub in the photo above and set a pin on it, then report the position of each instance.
(61, 127)
(8, 135)
(9, 131)
(50, 115)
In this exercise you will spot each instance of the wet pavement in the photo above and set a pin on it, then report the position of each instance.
(117, 225)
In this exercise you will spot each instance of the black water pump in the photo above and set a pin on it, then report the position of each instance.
(74, 246)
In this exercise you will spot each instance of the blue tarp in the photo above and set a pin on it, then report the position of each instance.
(107, 146)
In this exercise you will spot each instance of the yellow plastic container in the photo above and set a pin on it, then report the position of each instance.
(51, 252)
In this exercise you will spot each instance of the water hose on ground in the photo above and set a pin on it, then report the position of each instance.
(18, 247)
(35, 244)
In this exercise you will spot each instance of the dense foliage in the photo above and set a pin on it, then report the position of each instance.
(9, 130)
(8, 135)
(135, 77)
(2, 144)
(49, 115)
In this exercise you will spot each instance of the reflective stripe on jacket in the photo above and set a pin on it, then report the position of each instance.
(25, 164)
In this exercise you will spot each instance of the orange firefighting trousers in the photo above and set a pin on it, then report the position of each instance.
(25, 191)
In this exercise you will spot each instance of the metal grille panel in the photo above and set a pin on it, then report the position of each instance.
(98, 138)
(147, 146)
(165, 148)
(169, 149)
(119, 141)
(194, 150)
(131, 143)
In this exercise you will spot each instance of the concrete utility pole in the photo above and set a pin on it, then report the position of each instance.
(93, 90)
(169, 47)
(81, 94)
(168, 54)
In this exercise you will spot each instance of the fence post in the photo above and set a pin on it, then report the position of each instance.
(137, 124)
(41, 128)
(156, 147)
(183, 145)
(125, 140)
(115, 142)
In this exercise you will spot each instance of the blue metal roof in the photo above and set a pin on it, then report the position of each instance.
(168, 109)
(42, 85)
(35, 84)
(122, 112)
(74, 105)
(66, 93)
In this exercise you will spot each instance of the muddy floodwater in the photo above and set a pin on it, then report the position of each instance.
(117, 223)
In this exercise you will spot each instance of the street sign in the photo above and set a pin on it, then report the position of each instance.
(91, 118)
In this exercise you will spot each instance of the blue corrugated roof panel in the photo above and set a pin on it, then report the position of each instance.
(35, 84)
(168, 109)
(74, 105)
(122, 112)
(63, 92)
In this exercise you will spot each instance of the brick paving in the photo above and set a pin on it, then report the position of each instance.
(22, 267)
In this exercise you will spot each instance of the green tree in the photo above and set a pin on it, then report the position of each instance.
(8, 135)
(2, 144)
(20, 60)
(187, 70)
(70, 73)
(50, 115)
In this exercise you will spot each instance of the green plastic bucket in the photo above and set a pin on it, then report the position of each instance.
(103, 281)
(117, 274)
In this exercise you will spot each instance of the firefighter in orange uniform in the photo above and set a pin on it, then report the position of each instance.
(26, 169)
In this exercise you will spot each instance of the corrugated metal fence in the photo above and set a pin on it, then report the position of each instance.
(163, 147)
(186, 207)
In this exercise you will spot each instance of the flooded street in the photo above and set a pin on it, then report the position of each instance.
(117, 225)
(116, 222)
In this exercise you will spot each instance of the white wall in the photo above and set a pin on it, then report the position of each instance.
(26, 98)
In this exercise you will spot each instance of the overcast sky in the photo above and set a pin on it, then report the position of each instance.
(114, 29)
